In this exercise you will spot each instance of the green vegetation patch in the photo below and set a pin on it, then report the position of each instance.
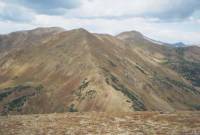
(16, 104)
(196, 107)
(72, 108)
(112, 64)
(183, 85)
(7, 91)
(140, 69)
(188, 69)
(4, 94)
(161, 81)
(84, 84)
(21, 94)
(168, 83)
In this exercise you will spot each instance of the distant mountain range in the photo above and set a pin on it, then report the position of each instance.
(134, 33)
(179, 44)
(49, 70)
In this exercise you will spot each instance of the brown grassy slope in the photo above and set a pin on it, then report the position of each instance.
(180, 66)
(80, 71)
(183, 60)
(142, 123)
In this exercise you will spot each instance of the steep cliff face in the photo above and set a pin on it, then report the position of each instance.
(80, 71)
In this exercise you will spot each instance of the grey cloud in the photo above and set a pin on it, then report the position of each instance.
(178, 9)
(50, 7)
(171, 10)
(17, 14)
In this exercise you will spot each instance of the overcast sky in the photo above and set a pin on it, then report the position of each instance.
(164, 20)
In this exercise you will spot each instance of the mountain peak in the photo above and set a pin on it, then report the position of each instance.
(80, 33)
(48, 28)
(130, 35)
(134, 32)
(179, 44)
(81, 30)
(41, 30)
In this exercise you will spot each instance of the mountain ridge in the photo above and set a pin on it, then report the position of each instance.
(81, 71)
(133, 32)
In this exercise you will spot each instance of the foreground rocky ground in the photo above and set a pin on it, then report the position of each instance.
(139, 123)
